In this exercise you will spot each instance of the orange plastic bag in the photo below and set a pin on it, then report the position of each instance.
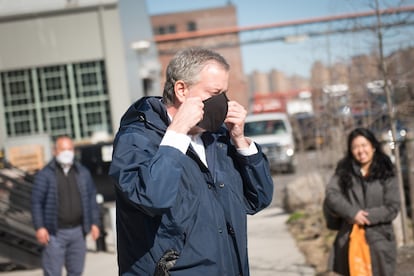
(359, 256)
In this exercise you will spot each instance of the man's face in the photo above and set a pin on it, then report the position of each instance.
(213, 80)
(63, 144)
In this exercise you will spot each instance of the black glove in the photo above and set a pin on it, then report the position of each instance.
(166, 262)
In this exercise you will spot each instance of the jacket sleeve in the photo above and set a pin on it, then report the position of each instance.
(388, 209)
(39, 190)
(257, 181)
(337, 202)
(95, 212)
(147, 174)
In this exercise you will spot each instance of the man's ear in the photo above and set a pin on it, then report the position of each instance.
(180, 90)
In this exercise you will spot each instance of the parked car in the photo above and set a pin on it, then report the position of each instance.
(97, 158)
(273, 132)
(382, 129)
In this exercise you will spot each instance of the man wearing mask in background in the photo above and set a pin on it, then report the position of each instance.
(64, 211)
(187, 176)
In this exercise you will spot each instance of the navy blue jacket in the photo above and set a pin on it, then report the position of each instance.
(170, 200)
(45, 198)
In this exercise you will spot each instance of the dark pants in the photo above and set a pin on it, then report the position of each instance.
(67, 248)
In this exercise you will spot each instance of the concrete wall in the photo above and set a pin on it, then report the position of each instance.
(40, 41)
(119, 90)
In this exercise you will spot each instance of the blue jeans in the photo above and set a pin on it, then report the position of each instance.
(66, 248)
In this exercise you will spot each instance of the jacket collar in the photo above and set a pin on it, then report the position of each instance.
(54, 165)
(150, 110)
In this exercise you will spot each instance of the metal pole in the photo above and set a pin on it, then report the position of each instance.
(409, 143)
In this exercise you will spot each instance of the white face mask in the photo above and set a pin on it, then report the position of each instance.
(65, 157)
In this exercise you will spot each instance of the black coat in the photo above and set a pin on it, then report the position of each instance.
(45, 198)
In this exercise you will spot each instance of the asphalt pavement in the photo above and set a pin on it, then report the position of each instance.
(272, 250)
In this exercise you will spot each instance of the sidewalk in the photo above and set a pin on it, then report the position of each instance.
(272, 250)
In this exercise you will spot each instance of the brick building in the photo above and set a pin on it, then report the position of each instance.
(190, 22)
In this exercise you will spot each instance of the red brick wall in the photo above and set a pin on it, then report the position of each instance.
(208, 19)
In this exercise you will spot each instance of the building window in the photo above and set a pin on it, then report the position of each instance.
(52, 83)
(160, 30)
(191, 26)
(66, 99)
(172, 29)
(17, 88)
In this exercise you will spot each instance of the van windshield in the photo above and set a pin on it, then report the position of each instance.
(264, 127)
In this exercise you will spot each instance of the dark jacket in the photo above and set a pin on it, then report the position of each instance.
(45, 198)
(167, 200)
(382, 202)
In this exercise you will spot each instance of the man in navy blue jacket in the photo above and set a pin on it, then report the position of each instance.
(187, 176)
(64, 211)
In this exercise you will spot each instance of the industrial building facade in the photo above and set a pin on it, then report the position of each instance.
(67, 67)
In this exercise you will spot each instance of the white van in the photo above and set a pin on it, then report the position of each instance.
(273, 132)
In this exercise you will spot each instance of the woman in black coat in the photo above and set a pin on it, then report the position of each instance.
(364, 191)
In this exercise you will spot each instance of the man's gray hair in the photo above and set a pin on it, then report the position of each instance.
(186, 65)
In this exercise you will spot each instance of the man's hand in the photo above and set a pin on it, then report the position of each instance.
(188, 115)
(42, 236)
(95, 232)
(236, 116)
(361, 218)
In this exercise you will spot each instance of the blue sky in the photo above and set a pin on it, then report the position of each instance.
(295, 58)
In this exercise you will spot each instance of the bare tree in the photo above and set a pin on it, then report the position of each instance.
(391, 113)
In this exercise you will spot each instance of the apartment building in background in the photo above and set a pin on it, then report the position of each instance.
(190, 22)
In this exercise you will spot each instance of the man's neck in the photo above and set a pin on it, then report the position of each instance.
(171, 111)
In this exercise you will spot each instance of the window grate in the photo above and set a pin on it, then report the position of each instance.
(69, 99)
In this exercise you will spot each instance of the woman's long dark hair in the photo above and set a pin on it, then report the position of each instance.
(381, 166)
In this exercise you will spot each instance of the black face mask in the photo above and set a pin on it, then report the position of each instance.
(215, 112)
